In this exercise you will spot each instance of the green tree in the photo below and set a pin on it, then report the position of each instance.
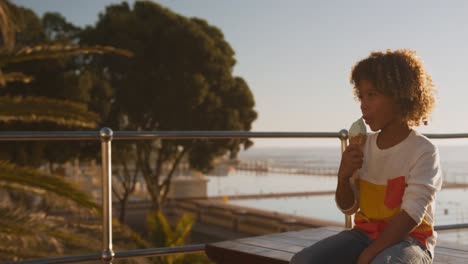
(125, 175)
(28, 195)
(67, 78)
(179, 79)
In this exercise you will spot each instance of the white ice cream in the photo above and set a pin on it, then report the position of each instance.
(358, 128)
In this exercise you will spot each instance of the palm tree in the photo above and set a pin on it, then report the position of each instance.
(27, 195)
(40, 109)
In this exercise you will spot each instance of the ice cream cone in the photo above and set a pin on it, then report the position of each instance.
(357, 136)
(358, 139)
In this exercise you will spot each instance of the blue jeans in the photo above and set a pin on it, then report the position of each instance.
(346, 246)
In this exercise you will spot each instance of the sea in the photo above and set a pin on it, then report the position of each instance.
(451, 204)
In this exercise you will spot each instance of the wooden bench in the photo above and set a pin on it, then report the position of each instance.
(279, 248)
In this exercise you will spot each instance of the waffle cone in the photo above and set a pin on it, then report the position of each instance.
(359, 139)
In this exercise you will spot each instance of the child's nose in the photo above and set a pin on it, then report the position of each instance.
(363, 106)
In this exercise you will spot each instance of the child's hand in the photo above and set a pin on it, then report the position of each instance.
(351, 160)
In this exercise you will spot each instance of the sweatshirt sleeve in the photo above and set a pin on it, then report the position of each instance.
(424, 180)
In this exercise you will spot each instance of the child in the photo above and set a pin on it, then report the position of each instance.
(400, 169)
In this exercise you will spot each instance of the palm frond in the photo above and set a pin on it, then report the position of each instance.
(182, 230)
(163, 235)
(21, 54)
(56, 236)
(41, 109)
(160, 230)
(14, 77)
(18, 229)
(7, 26)
(42, 237)
(33, 181)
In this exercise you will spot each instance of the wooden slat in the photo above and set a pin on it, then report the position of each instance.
(279, 248)
(450, 255)
(234, 252)
(290, 240)
(449, 252)
(272, 245)
(446, 259)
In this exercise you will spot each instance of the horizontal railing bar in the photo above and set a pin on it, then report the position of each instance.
(147, 252)
(147, 135)
(139, 135)
(48, 135)
(447, 136)
(59, 260)
(131, 135)
(449, 227)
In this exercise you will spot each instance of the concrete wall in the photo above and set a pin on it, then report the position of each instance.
(228, 220)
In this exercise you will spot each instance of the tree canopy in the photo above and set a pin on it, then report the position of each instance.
(181, 75)
(181, 78)
(60, 92)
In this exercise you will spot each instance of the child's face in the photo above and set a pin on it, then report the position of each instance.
(379, 110)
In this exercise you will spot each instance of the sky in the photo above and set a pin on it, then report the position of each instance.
(296, 55)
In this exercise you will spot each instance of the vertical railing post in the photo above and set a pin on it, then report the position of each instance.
(106, 138)
(344, 135)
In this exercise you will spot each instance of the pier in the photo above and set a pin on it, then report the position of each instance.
(264, 166)
(267, 195)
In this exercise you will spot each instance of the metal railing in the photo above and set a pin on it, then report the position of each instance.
(106, 136)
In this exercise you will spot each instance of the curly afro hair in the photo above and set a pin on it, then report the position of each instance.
(400, 74)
